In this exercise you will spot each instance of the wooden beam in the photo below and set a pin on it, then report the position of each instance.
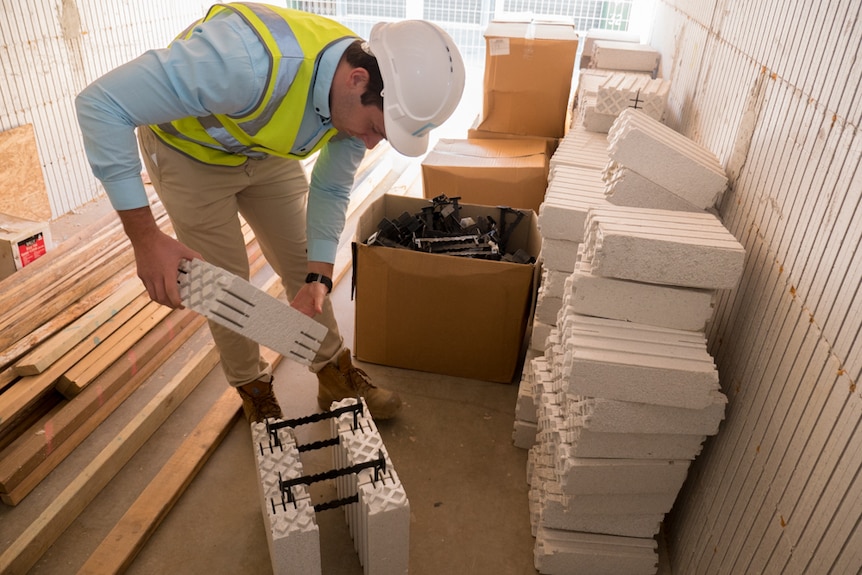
(25, 551)
(62, 318)
(33, 455)
(119, 548)
(28, 389)
(115, 348)
(42, 357)
(117, 551)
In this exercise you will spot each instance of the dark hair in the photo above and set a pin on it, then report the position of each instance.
(359, 58)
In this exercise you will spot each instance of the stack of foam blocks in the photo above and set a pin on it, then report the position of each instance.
(619, 75)
(604, 94)
(622, 392)
(378, 519)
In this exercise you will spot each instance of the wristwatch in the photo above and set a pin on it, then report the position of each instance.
(320, 278)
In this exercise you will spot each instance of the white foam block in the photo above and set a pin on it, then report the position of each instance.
(623, 90)
(631, 362)
(581, 476)
(559, 255)
(613, 55)
(560, 552)
(293, 536)
(625, 187)
(571, 192)
(684, 249)
(234, 303)
(582, 148)
(666, 157)
(637, 302)
(614, 416)
(590, 443)
(380, 521)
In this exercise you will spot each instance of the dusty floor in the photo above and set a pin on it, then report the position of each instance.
(451, 445)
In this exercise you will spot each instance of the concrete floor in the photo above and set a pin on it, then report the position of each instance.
(451, 446)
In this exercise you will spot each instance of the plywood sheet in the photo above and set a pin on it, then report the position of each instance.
(22, 186)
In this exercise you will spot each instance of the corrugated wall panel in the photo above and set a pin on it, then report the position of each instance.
(50, 51)
(771, 88)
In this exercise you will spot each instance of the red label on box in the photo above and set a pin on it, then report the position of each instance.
(31, 248)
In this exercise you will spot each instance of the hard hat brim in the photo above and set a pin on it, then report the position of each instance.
(410, 111)
(403, 141)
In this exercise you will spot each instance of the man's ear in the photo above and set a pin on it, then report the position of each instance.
(358, 78)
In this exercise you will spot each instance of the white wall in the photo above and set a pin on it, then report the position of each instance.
(772, 88)
(49, 51)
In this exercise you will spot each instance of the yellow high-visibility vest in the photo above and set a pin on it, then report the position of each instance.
(271, 127)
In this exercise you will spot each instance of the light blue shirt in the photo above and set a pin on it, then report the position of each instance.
(221, 69)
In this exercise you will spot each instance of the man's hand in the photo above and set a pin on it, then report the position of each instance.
(157, 255)
(309, 299)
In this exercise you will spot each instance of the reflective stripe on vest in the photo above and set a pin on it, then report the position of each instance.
(270, 128)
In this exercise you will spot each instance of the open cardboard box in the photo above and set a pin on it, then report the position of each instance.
(488, 172)
(444, 314)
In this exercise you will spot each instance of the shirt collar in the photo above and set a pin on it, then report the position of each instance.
(324, 75)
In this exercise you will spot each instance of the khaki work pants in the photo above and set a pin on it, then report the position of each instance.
(204, 203)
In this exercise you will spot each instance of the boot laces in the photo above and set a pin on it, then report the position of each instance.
(358, 379)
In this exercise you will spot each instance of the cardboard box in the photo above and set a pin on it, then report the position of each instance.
(474, 133)
(488, 172)
(444, 314)
(21, 242)
(529, 68)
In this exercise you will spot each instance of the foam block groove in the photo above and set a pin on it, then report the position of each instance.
(234, 303)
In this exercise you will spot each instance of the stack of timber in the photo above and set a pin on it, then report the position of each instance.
(78, 336)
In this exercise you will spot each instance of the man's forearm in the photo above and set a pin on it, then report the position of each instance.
(139, 224)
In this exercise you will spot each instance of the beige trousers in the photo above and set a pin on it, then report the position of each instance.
(204, 203)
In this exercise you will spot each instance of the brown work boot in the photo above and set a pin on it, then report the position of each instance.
(258, 401)
(340, 380)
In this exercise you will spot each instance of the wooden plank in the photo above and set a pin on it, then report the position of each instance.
(22, 185)
(115, 348)
(23, 464)
(54, 324)
(119, 548)
(25, 318)
(29, 389)
(39, 359)
(117, 551)
(25, 551)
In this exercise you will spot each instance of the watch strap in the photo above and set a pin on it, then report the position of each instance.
(320, 278)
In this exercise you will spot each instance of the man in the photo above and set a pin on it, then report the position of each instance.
(223, 115)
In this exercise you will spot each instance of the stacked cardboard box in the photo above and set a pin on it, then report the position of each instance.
(488, 172)
(529, 66)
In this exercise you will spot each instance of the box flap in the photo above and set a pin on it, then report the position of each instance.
(533, 29)
(471, 149)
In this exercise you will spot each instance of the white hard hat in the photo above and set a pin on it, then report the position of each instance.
(423, 79)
